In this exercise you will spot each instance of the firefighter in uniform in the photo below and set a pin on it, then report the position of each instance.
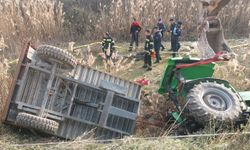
(108, 46)
(148, 48)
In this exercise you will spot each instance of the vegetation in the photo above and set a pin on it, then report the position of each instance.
(115, 16)
(34, 20)
(54, 21)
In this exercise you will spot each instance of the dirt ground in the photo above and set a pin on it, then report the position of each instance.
(235, 71)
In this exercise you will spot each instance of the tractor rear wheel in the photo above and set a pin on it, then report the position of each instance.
(36, 122)
(53, 54)
(213, 102)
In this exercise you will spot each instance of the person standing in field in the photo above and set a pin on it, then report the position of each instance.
(148, 49)
(108, 47)
(176, 38)
(172, 25)
(134, 34)
(157, 43)
(162, 28)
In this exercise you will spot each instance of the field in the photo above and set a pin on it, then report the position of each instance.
(239, 70)
(66, 23)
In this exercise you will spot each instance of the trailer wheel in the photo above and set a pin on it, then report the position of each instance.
(38, 123)
(213, 102)
(53, 54)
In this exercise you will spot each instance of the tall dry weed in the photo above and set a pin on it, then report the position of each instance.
(35, 20)
(236, 71)
(91, 18)
(5, 80)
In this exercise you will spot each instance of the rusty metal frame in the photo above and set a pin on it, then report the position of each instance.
(22, 56)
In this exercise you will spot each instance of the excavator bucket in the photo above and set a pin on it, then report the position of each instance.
(211, 35)
(214, 6)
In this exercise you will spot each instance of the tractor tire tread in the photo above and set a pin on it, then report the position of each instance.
(36, 122)
(202, 114)
(45, 52)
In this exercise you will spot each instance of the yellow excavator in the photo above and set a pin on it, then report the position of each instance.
(211, 39)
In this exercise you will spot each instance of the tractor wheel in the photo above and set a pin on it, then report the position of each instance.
(38, 123)
(53, 54)
(213, 102)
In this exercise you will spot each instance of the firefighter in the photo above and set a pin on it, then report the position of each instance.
(176, 38)
(148, 48)
(134, 33)
(108, 46)
(163, 29)
(157, 43)
(172, 25)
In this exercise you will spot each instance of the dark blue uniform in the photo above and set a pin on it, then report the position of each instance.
(157, 45)
(163, 29)
(173, 25)
(176, 39)
(148, 48)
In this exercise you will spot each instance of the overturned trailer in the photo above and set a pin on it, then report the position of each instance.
(53, 94)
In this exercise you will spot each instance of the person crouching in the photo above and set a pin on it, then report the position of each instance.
(148, 48)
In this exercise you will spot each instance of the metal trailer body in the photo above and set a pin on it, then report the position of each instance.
(86, 100)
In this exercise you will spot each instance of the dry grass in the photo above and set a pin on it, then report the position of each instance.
(237, 70)
(32, 20)
(42, 21)
(115, 16)
(153, 106)
(210, 143)
(5, 84)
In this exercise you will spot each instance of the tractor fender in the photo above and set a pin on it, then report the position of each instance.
(190, 85)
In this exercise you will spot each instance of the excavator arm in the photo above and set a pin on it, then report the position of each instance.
(214, 6)
(211, 35)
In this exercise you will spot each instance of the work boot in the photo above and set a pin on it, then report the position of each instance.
(149, 69)
(163, 48)
(144, 66)
(130, 49)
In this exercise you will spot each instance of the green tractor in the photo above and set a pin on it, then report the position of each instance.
(199, 98)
